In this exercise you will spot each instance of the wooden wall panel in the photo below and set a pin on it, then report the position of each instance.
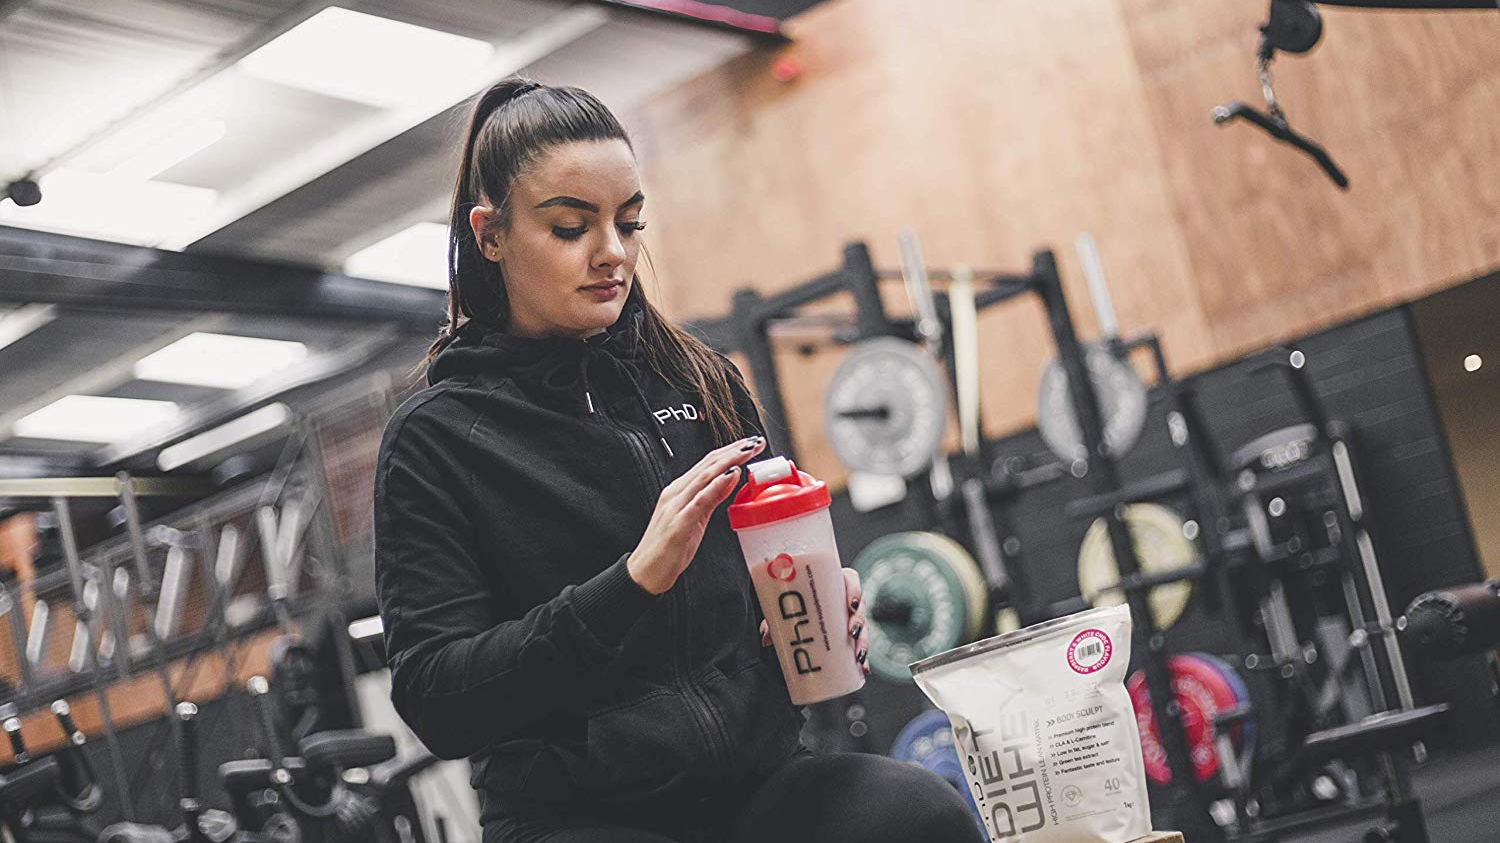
(991, 129)
(1405, 102)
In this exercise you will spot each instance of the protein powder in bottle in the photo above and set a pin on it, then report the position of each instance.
(781, 518)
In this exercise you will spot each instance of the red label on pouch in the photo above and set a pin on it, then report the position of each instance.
(1090, 651)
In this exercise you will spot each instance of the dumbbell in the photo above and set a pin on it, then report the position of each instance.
(48, 798)
(199, 825)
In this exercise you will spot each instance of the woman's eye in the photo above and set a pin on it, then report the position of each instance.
(569, 233)
(629, 228)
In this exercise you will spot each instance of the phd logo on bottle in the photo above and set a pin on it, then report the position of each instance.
(785, 532)
(782, 568)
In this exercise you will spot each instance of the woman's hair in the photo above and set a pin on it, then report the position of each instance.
(513, 124)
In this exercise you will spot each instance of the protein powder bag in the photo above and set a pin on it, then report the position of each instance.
(1046, 730)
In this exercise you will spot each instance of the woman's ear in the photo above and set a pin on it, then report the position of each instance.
(481, 219)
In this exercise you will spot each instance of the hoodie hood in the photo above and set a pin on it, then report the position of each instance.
(484, 346)
(556, 370)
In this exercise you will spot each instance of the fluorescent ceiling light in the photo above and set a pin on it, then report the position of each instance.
(417, 255)
(110, 208)
(219, 360)
(156, 152)
(22, 321)
(329, 151)
(364, 58)
(91, 418)
(272, 417)
(1473, 362)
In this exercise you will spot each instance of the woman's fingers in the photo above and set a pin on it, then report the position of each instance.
(765, 634)
(857, 627)
(852, 590)
(712, 494)
(712, 466)
(854, 593)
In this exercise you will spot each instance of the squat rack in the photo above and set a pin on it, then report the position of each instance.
(747, 329)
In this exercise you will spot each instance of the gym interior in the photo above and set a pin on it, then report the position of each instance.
(1186, 305)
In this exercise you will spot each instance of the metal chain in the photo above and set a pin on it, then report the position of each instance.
(1263, 73)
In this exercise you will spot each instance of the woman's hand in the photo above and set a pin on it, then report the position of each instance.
(676, 527)
(853, 593)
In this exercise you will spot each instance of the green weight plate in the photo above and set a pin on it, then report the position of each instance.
(1160, 546)
(915, 599)
(975, 588)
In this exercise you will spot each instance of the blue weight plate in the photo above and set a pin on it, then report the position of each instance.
(1241, 690)
(927, 741)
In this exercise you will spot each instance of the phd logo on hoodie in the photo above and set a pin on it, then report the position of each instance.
(686, 412)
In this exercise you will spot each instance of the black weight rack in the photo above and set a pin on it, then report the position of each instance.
(745, 329)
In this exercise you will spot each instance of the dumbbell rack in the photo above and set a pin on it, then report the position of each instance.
(745, 329)
(84, 574)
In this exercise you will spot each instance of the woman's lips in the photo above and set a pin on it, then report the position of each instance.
(604, 290)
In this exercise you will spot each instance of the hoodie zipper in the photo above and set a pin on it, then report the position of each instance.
(703, 712)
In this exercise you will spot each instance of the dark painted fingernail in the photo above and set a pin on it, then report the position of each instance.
(730, 470)
(854, 604)
(858, 628)
(863, 654)
(749, 447)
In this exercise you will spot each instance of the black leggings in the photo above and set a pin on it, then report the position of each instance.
(838, 798)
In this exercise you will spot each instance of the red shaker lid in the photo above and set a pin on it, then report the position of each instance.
(776, 491)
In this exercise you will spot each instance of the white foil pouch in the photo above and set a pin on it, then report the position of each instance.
(1046, 730)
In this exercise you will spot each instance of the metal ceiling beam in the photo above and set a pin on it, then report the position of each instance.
(44, 268)
(335, 364)
(100, 379)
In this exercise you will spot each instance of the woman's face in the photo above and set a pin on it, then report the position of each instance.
(568, 255)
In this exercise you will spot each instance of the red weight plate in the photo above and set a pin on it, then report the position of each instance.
(1202, 693)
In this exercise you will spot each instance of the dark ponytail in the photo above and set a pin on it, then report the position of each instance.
(513, 123)
(474, 284)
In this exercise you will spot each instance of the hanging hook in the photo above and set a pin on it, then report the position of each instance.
(1292, 26)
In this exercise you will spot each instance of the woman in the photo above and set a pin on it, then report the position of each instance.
(564, 602)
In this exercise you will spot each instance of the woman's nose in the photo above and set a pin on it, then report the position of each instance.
(611, 251)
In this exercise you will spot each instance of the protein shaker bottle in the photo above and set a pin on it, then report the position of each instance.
(781, 518)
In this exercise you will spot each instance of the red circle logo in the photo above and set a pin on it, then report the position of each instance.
(782, 568)
(1090, 651)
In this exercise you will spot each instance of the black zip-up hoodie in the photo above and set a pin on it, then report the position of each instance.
(507, 495)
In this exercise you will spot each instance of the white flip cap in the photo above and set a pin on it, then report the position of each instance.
(765, 472)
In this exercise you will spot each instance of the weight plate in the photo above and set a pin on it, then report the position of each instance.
(1160, 547)
(915, 599)
(1007, 620)
(927, 741)
(1122, 402)
(886, 408)
(1202, 691)
(1242, 734)
(976, 590)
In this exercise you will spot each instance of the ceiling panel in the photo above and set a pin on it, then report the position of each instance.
(69, 68)
(75, 70)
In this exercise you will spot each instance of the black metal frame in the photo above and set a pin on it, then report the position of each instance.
(1402, 810)
(745, 330)
(43, 268)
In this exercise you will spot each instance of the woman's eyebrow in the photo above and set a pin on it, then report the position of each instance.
(574, 202)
